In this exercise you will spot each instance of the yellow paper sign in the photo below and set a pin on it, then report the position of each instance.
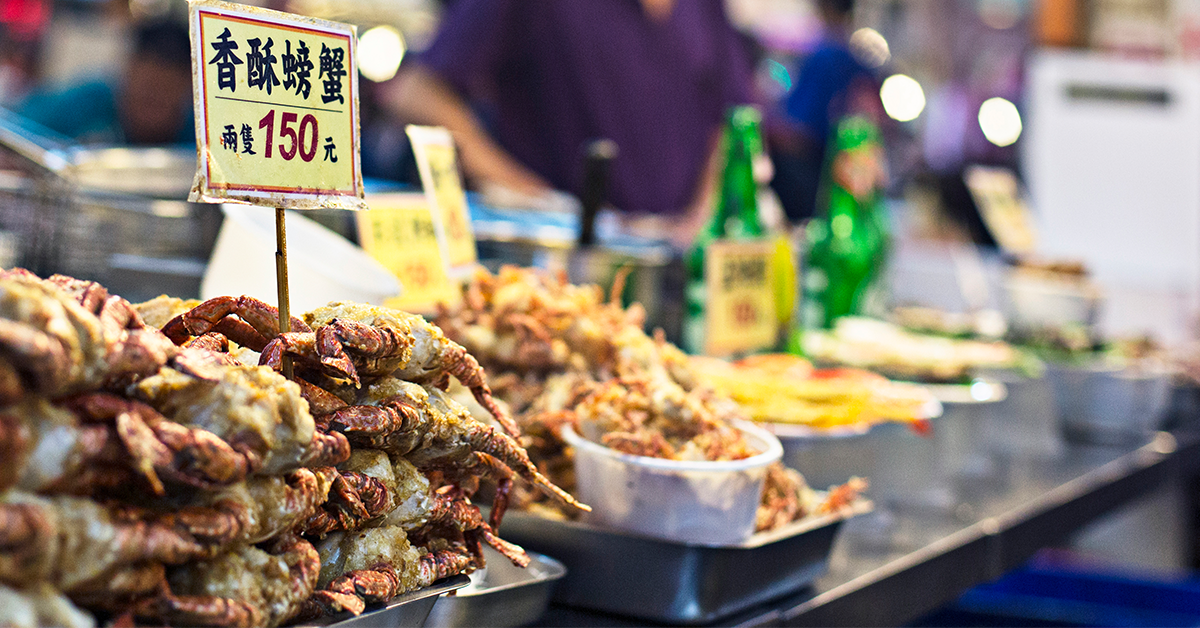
(276, 100)
(399, 233)
(740, 313)
(434, 150)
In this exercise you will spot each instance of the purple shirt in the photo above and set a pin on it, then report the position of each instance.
(562, 72)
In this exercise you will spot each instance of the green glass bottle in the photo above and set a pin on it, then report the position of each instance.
(848, 243)
(735, 215)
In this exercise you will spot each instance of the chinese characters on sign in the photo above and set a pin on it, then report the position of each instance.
(266, 132)
(741, 297)
(399, 233)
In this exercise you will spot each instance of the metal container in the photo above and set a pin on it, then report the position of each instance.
(407, 610)
(915, 471)
(1105, 403)
(828, 457)
(114, 215)
(549, 240)
(500, 594)
(678, 583)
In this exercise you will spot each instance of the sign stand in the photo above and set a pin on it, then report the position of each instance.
(281, 283)
(276, 102)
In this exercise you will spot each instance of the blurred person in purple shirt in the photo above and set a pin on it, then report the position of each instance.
(655, 76)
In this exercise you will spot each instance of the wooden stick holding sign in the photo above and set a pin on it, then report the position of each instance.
(276, 101)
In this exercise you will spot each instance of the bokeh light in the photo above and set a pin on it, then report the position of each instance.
(1000, 121)
(870, 48)
(902, 96)
(380, 51)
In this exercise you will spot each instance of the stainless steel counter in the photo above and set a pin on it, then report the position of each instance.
(898, 563)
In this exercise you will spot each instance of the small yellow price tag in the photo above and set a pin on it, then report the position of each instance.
(433, 148)
(399, 232)
(740, 313)
(276, 100)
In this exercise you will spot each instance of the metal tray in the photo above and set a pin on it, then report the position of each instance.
(500, 594)
(671, 582)
(407, 610)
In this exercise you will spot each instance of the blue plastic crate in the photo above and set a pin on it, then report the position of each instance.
(1049, 592)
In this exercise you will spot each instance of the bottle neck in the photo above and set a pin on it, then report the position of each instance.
(739, 191)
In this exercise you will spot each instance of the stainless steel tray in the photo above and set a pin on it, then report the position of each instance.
(500, 594)
(407, 610)
(664, 581)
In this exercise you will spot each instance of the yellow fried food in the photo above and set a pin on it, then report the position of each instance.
(780, 388)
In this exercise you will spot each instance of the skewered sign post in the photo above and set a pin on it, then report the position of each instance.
(276, 101)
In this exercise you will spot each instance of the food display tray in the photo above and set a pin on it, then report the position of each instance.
(500, 594)
(407, 610)
(678, 583)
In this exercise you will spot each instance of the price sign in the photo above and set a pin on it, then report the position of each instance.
(740, 313)
(434, 150)
(998, 196)
(276, 99)
(399, 232)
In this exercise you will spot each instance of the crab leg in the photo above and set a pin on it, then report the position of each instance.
(452, 509)
(235, 605)
(192, 456)
(259, 321)
(199, 610)
(259, 510)
(432, 433)
(381, 582)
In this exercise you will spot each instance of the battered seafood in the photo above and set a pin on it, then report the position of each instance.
(152, 476)
(561, 354)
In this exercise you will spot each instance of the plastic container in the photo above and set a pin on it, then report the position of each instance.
(692, 502)
(322, 265)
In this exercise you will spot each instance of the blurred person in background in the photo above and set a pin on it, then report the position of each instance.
(831, 83)
(654, 76)
(150, 103)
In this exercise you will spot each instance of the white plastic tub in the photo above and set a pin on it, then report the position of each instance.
(322, 265)
(701, 502)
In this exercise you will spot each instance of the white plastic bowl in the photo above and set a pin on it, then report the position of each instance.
(701, 502)
(322, 265)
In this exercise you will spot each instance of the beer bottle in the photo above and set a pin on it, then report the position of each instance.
(734, 217)
(847, 243)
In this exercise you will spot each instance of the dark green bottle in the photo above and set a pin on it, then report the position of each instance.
(734, 217)
(848, 243)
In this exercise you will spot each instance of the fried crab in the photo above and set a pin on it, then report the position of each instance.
(165, 476)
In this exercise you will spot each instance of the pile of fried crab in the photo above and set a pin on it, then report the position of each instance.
(157, 468)
(561, 354)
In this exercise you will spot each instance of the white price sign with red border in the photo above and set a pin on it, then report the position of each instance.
(276, 98)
